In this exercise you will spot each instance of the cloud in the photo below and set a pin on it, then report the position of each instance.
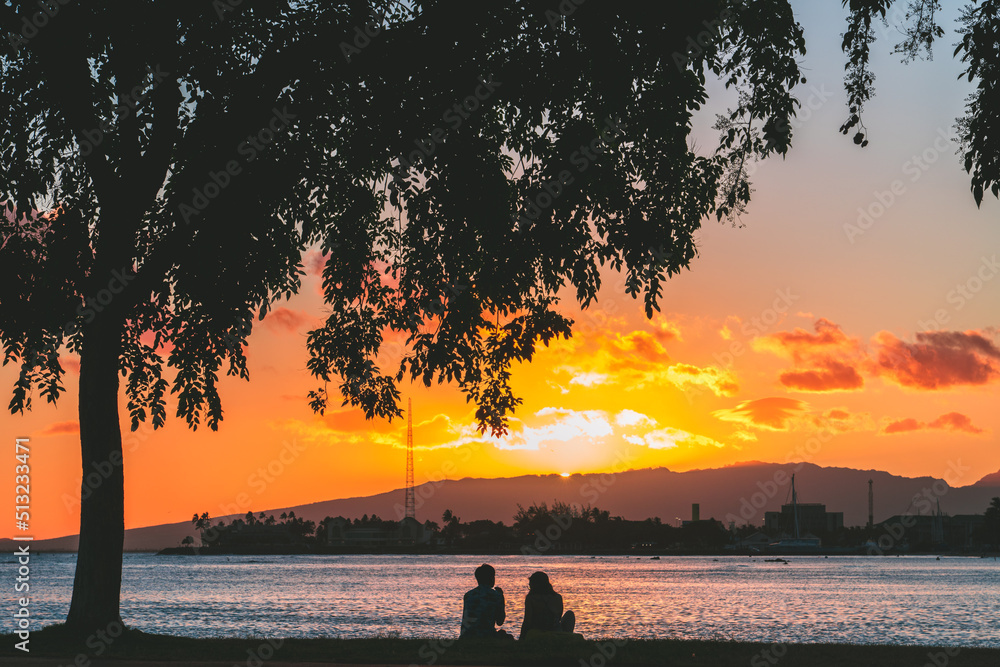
(831, 376)
(771, 414)
(722, 382)
(59, 428)
(637, 360)
(665, 331)
(631, 418)
(904, 425)
(937, 360)
(955, 421)
(801, 344)
(589, 379)
(825, 359)
(70, 364)
(314, 261)
(952, 421)
(841, 421)
(669, 438)
(285, 320)
(556, 428)
(640, 344)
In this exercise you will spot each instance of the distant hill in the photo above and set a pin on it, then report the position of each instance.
(722, 493)
(993, 479)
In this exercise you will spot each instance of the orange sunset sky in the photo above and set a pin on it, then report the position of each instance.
(814, 332)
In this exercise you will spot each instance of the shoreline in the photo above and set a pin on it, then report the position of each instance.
(647, 553)
(139, 648)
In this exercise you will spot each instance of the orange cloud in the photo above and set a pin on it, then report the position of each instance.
(70, 364)
(938, 359)
(801, 344)
(665, 330)
(285, 320)
(952, 421)
(60, 428)
(772, 414)
(825, 360)
(833, 376)
(841, 421)
(641, 344)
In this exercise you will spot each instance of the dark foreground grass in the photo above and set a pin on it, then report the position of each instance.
(53, 642)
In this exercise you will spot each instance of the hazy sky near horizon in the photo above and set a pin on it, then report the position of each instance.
(852, 321)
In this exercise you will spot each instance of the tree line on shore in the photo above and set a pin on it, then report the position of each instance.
(538, 527)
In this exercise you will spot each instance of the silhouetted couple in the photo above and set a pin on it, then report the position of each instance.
(485, 608)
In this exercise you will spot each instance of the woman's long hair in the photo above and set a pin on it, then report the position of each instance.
(539, 583)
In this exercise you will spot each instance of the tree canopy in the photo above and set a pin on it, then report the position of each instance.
(164, 165)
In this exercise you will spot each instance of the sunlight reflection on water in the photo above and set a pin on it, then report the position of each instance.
(911, 600)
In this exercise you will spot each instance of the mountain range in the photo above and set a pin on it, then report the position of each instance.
(741, 492)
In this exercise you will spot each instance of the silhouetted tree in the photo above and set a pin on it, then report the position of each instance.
(166, 163)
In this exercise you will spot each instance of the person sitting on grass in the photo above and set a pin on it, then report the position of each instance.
(484, 607)
(543, 608)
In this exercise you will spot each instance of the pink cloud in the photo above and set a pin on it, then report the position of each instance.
(60, 428)
(952, 421)
(938, 359)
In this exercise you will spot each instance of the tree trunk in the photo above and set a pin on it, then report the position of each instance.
(97, 585)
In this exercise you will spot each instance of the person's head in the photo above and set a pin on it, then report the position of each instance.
(486, 575)
(539, 583)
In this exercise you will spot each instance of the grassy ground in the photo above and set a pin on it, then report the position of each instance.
(136, 646)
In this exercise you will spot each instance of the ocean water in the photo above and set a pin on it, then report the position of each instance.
(908, 600)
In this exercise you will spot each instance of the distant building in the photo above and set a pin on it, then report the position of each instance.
(756, 542)
(813, 518)
(407, 532)
(921, 531)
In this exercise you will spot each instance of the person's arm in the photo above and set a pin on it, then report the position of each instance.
(466, 621)
(528, 617)
(502, 614)
(559, 609)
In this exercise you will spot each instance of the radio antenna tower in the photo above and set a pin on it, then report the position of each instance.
(411, 508)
